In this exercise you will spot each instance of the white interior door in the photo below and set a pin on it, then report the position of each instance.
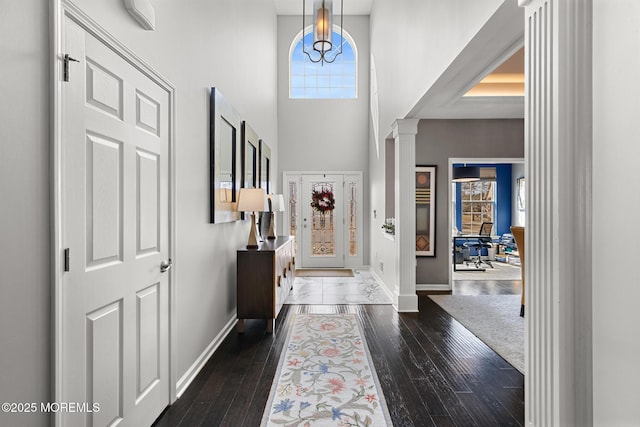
(322, 241)
(115, 201)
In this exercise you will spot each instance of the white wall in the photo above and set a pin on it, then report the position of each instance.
(25, 310)
(616, 289)
(412, 42)
(517, 216)
(325, 134)
(196, 45)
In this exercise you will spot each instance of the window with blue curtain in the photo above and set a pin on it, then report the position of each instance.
(336, 80)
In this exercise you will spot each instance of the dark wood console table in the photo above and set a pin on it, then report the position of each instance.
(264, 279)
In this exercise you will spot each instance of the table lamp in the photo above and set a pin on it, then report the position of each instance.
(252, 200)
(276, 204)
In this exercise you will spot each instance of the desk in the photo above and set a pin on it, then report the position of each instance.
(465, 237)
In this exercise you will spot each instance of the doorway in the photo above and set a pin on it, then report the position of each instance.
(492, 199)
(114, 169)
(323, 210)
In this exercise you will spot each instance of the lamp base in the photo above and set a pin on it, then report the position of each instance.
(272, 227)
(252, 243)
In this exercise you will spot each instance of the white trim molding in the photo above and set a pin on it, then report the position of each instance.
(404, 134)
(558, 273)
(434, 287)
(467, 160)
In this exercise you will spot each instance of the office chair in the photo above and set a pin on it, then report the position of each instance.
(482, 242)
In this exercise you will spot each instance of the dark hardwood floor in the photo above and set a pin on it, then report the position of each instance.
(433, 372)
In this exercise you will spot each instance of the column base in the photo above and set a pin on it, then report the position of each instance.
(408, 303)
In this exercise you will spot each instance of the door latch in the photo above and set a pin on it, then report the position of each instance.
(67, 59)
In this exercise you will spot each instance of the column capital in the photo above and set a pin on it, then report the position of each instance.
(405, 127)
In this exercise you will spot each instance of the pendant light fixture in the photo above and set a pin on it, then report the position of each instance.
(322, 31)
(466, 174)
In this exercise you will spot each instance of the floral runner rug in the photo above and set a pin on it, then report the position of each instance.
(325, 377)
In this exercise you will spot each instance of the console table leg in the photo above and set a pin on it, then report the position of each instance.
(271, 324)
(240, 326)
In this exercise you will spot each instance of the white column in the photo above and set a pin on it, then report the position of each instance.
(404, 134)
(558, 154)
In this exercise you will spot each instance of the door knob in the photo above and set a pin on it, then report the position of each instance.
(165, 266)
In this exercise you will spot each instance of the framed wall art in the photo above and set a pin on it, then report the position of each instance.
(425, 210)
(265, 167)
(224, 159)
(250, 147)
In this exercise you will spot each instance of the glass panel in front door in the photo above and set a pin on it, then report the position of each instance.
(323, 233)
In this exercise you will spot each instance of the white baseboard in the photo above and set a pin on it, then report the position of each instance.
(197, 366)
(433, 287)
(385, 288)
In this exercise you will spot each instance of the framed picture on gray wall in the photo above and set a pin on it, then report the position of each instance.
(426, 211)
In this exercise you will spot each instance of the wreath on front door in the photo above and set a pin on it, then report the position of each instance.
(323, 201)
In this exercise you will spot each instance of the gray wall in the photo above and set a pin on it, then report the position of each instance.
(25, 313)
(325, 134)
(439, 140)
(412, 44)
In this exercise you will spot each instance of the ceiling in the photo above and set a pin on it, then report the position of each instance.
(496, 48)
(467, 89)
(351, 7)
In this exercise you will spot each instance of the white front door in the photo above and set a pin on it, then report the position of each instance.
(115, 219)
(322, 232)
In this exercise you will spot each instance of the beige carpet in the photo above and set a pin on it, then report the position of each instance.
(325, 272)
(500, 271)
(495, 319)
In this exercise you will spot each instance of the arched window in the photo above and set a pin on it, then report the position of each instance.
(323, 80)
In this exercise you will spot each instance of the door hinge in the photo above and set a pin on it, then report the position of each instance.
(66, 259)
(65, 72)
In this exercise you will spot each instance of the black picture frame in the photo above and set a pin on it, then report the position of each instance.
(426, 211)
(265, 167)
(224, 159)
(250, 160)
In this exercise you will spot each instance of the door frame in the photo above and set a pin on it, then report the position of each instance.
(350, 262)
(59, 10)
(450, 216)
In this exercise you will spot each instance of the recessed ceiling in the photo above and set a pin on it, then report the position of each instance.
(351, 7)
(506, 80)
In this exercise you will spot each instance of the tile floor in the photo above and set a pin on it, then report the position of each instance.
(362, 288)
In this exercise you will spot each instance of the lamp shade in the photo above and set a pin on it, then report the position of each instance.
(252, 200)
(466, 174)
(277, 202)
